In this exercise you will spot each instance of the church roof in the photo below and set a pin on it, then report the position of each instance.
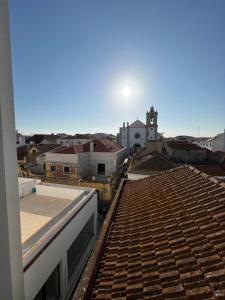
(137, 123)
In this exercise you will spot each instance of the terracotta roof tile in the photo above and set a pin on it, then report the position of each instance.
(167, 240)
(184, 145)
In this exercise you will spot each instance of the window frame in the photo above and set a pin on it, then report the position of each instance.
(53, 171)
(66, 173)
(101, 173)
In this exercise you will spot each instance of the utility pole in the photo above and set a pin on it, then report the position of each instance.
(11, 268)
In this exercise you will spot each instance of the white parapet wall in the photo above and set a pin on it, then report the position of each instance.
(26, 185)
(59, 192)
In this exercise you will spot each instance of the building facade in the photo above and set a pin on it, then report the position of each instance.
(96, 164)
(218, 143)
(138, 134)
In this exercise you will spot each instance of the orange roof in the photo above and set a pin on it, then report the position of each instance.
(100, 145)
(106, 145)
(75, 149)
(151, 162)
(166, 240)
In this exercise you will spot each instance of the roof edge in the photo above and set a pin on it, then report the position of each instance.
(193, 169)
(86, 283)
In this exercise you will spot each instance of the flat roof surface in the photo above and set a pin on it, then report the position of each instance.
(36, 211)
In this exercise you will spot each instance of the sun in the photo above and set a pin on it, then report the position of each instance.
(127, 91)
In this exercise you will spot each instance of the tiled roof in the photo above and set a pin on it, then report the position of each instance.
(166, 241)
(101, 145)
(106, 145)
(152, 162)
(75, 149)
(210, 169)
(183, 145)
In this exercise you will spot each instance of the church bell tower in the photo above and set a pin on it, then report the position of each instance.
(151, 124)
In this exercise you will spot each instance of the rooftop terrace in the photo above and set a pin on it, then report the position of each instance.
(42, 205)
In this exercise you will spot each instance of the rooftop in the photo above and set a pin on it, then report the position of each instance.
(146, 161)
(164, 238)
(99, 145)
(42, 205)
(213, 169)
(183, 145)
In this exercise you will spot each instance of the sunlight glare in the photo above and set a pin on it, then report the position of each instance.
(127, 91)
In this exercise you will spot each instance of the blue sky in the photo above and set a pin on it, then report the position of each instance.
(72, 58)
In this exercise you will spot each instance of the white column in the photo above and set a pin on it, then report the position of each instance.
(11, 271)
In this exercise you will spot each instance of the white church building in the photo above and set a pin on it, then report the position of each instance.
(138, 134)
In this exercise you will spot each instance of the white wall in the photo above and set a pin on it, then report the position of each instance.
(56, 253)
(107, 158)
(128, 138)
(123, 132)
(26, 185)
(133, 140)
(83, 164)
(133, 176)
(59, 192)
(152, 133)
(11, 273)
(218, 143)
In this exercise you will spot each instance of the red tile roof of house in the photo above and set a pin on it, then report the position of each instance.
(164, 238)
(183, 145)
(101, 145)
(151, 162)
(75, 149)
(211, 169)
(106, 145)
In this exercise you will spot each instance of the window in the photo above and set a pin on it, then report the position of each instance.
(66, 169)
(44, 167)
(51, 288)
(53, 168)
(77, 249)
(137, 135)
(101, 169)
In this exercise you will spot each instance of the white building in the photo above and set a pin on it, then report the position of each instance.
(100, 158)
(216, 143)
(138, 134)
(20, 139)
(205, 143)
(58, 232)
